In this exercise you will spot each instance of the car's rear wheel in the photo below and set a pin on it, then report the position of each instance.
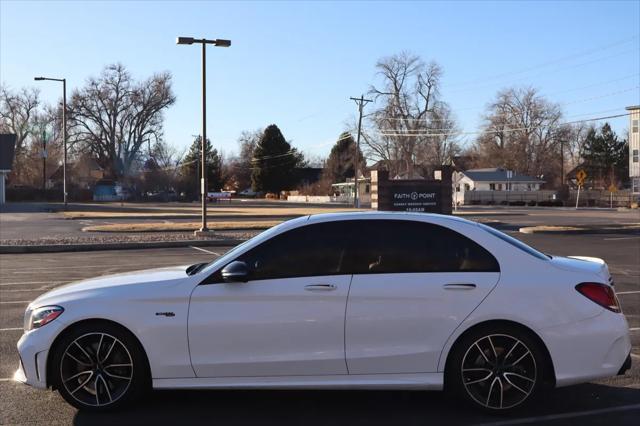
(99, 367)
(497, 368)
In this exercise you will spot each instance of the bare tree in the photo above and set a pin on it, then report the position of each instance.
(523, 131)
(411, 124)
(18, 115)
(240, 167)
(113, 116)
(17, 111)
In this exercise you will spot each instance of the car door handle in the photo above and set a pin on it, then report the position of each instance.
(320, 287)
(459, 286)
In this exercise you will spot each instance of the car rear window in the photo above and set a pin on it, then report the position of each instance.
(514, 242)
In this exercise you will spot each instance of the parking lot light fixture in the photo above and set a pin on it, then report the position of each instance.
(203, 150)
(64, 132)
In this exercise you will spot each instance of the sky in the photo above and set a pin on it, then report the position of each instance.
(295, 64)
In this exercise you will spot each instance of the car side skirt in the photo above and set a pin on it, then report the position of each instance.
(428, 381)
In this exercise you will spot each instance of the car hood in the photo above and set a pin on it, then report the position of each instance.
(591, 265)
(116, 280)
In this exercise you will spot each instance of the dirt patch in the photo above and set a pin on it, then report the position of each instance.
(211, 212)
(179, 226)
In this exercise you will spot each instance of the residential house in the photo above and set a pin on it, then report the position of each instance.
(491, 180)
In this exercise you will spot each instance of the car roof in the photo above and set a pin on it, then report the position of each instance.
(414, 216)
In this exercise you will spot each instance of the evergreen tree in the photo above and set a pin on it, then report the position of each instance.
(274, 161)
(340, 164)
(190, 170)
(605, 156)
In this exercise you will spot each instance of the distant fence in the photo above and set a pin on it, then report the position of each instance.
(603, 198)
(589, 198)
(506, 197)
(326, 199)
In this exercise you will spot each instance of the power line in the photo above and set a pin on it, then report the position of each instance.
(531, 77)
(628, 89)
(552, 62)
(602, 83)
(495, 131)
(269, 157)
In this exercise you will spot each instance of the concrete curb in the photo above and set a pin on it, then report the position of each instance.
(210, 218)
(58, 248)
(188, 231)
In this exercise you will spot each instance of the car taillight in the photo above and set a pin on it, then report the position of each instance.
(601, 294)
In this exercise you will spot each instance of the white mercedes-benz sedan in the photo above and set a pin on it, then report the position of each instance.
(350, 300)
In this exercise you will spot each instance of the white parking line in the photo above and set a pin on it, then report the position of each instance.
(552, 417)
(11, 329)
(629, 292)
(32, 282)
(634, 329)
(28, 290)
(15, 302)
(620, 238)
(53, 267)
(5, 379)
(206, 251)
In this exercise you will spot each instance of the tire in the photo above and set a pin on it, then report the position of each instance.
(499, 369)
(99, 366)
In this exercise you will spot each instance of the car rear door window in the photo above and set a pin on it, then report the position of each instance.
(311, 250)
(402, 246)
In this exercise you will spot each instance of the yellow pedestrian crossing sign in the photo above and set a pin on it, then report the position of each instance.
(581, 176)
(612, 188)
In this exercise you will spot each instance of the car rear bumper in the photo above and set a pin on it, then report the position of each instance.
(626, 366)
(590, 349)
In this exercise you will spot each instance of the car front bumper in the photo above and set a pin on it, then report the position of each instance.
(33, 349)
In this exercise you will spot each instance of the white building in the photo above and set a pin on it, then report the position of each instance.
(634, 147)
(492, 179)
(344, 192)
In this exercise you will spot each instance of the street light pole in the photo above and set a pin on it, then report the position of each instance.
(203, 142)
(203, 149)
(64, 140)
(64, 132)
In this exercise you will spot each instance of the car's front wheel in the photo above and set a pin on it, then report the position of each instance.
(497, 368)
(99, 366)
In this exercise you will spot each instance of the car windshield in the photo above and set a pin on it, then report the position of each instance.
(515, 242)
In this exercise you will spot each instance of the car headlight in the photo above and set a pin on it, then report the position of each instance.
(41, 316)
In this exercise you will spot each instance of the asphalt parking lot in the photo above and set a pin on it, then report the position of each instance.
(23, 277)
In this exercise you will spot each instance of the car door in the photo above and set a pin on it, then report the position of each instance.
(413, 284)
(288, 319)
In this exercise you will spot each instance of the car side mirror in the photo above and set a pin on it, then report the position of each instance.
(235, 272)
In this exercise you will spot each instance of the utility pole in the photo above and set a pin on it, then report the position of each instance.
(561, 163)
(64, 132)
(44, 160)
(361, 102)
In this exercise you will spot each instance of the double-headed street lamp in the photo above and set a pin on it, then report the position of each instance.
(203, 150)
(64, 132)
